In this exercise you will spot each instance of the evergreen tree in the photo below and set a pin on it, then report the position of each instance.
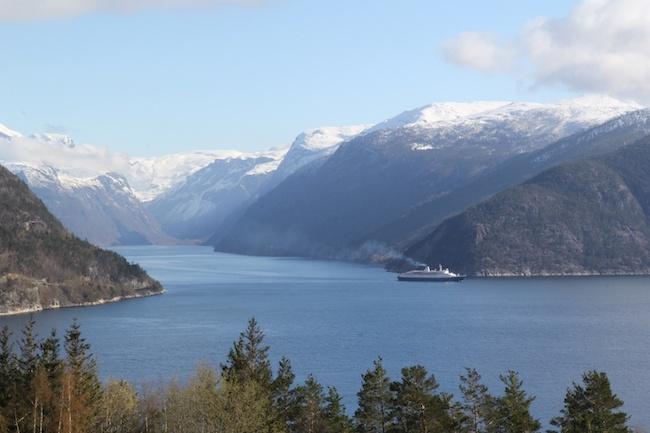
(310, 400)
(375, 396)
(284, 395)
(416, 406)
(49, 359)
(336, 419)
(512, 410)
(81, 389)
(7, 367)
(248, 358)
(592, 408)
(476, 403)
(29, 359)
(23, 400)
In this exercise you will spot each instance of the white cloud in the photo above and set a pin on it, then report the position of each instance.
(481, 51)
(59, 151)
(601, 46)
(24, 10)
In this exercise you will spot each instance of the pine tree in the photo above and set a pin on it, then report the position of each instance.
(310, 400)
(476, 402)
(592, 408)
(8, 380)
(416, 406)
(248, 358)
(24, 401)
(375, 396)
(49, 359)
(81, 390)
(283, 396)
(28, 347)
(7, 367)
(336, 419)
(512, 410)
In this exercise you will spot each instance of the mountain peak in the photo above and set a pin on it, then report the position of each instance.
(8, 133)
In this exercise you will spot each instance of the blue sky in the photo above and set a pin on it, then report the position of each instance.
(157, 81)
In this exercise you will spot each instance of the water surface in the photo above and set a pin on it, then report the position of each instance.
(332, 319)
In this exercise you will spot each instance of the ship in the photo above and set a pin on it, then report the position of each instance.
(427, 274)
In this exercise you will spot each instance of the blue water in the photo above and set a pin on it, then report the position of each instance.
(333, 319)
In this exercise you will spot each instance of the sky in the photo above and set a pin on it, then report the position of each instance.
(150, 77)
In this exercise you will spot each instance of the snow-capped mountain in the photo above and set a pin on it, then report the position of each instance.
(578, 112)
(7, 133)
(150, 177)
(379, 174)
(200, 205)
(102, 209)
(315, 144)
(195, 207)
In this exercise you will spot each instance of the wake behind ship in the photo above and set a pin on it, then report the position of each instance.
(427, 274)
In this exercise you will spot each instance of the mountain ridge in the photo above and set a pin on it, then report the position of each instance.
(44, 266)
(587, 217)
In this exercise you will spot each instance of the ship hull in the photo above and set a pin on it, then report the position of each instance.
(430, 279)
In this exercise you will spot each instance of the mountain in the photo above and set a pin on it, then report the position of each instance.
(42, 265)
(211, 199)
(103, 209)
(152, 176)
(7, 133)
(197, 206)
(586, 217)
(422, 219)
(331, 206)
(314, 144)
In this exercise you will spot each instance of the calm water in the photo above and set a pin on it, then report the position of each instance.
(333, 319)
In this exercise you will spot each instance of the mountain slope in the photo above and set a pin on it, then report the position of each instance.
(102, 209)
(585, 217)
(370, 180)
(422, 219)
(208, 201)
(204, 200)
(43, 266)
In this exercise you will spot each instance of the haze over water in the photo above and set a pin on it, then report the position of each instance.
(332, 319)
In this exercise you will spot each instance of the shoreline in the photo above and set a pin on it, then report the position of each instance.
(81, 304)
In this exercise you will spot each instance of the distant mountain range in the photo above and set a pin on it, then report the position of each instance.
(579, 218)
(332, 207)
(42, 265)
(423, 218)
(102, 209)
(361, 192)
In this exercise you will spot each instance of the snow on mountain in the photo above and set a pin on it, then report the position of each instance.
(441, 112)
(315, 144)
(376, 176)
(154, 175)
(49, 137)
(8, 133)
(581, 111)
(206, 198)
(102, 209)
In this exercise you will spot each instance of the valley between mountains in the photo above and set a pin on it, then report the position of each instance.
(488, 188)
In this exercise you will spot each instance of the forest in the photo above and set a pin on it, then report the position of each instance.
(51, 385)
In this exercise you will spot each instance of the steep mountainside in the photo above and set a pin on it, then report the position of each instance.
(42, 265)
(102, 209)
(203, 201)
(333, 205)
(153, 176)
(210, 200)
(585, 217)
(422, 219)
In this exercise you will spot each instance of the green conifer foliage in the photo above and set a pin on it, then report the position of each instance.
(512, 410)
(375, 399)
(592, 408)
